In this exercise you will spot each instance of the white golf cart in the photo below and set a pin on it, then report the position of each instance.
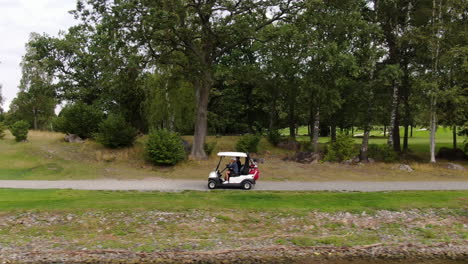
(246, 178)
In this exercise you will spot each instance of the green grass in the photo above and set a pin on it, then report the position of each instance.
(47, 157)
(43, 200)
(418, 143)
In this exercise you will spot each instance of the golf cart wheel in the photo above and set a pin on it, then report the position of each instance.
(211, 185)
(247, 185)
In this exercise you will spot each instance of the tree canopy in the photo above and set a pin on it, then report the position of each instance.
(247, 66)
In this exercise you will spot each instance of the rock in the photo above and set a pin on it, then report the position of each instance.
(306, 157)
(72, 138)
(451, 154)
(289, 145)
(356, 159)
(347, 162)
(403, 167)
(371, 160)
(454, 166)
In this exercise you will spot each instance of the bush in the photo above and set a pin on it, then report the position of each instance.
(115, 132)
(20, 130)
(164, 148)
(80, 119)
(307, 146)
(383, 153)
(2, 130)
(274, 137)
(209, 147)
(248, 143)
(342, 149)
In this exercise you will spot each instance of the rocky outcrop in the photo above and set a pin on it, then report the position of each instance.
(73, 138)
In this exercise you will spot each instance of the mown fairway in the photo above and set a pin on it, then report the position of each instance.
(46, 200)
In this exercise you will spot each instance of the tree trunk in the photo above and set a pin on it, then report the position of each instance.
(396, 134)
(405, 139)
(333, 133)
(365, 145)
(273, 115)
(202, 94)
(433, 127)
(435, 61)
(292, 121)
(411, 132)
(315, 140)
(454, 137)
(406, 94)
(385, 130)
(352, 131)
(35, 118)
(393, 117)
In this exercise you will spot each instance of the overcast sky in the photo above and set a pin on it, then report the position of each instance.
(18, 18)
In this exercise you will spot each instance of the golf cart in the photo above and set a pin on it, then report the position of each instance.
(246, 178)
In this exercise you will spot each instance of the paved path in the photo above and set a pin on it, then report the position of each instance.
(200, 185)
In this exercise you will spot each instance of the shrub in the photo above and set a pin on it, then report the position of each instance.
(307, 146)
(209, 147)
(164, 148)
(248, 143)
(383, 153)
(115, 132)
(80, 119)
(342, 149)
(2, 130)
(20, 130)
(274, 137)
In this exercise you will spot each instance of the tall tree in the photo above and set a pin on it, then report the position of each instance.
(193, 34)
(1, 100)
(36, 100)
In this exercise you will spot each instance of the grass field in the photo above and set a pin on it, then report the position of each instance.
(418, 143)
(45, 220)
(46, 156)
(47, 200)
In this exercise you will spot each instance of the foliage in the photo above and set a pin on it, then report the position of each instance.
(383, 153)
(169, 101)
(307, 146)
(164, 148)
(35, 102)
(225, 67)
(2, 130)
(274, 136)
(80, 119)
(115, 132)
(209, 147)
(20, 130)
(248, 143)
(340, 150)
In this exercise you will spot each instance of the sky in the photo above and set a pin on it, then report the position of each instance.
(18, 18)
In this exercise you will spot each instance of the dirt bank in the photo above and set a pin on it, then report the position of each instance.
(378, 253)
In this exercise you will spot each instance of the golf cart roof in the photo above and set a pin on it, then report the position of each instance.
(232, 154)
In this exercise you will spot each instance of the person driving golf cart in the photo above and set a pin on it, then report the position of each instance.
(246, 175)
(232, 168)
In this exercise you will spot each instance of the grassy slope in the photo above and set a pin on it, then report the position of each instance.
(72, 200)
(47, 157)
